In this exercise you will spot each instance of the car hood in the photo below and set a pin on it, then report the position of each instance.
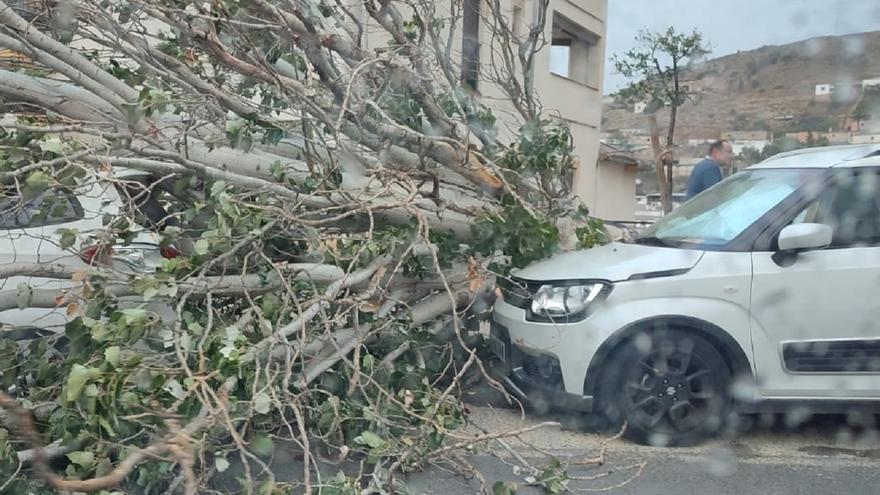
(613, 262)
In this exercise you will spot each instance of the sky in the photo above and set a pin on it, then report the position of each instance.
(731, 25)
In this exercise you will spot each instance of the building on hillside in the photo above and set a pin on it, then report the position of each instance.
(691, 85)
(808, 137)
(836, 137)
(639, 141)
(700, 141)
(616, 185)
(801, 137)
(702, 137)
(636, 138)
(747, 135)
(685, 166)
(853, 125)
(740, 140)
(870, 126)
(871, 82)
(865, 138)
(639, 107)
(824, 89)
(739, 146)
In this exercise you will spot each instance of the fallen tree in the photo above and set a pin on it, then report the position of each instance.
(343, 204)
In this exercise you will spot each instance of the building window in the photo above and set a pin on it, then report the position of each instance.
(560, 56)
(470, 44)
(572, 51)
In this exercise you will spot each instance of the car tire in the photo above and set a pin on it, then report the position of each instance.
(669, 387)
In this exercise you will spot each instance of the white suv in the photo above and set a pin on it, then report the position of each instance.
(758, 294)
(32, 230)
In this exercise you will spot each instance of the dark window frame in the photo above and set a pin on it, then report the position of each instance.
(833, 190)
(470, 45)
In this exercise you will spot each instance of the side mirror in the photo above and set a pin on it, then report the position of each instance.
(804, 237)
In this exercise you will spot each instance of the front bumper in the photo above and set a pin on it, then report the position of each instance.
(534, 379)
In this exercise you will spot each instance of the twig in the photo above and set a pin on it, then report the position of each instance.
(11, 478)
(178, 443)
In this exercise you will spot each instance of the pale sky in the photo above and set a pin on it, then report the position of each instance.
(731, 25)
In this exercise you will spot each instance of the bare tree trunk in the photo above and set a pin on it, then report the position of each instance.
(667, 157)
(660, 160)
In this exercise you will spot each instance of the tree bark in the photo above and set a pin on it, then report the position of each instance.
(660, 159)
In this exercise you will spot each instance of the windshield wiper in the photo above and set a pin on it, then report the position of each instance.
(652, 240)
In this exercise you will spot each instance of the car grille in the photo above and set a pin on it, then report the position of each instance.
(530, 367)
(544, 369)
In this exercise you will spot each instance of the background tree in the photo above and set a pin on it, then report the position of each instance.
(749, 156)
(342, 203)
(655, 67)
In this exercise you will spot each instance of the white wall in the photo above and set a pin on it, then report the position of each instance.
(866, 139)
(823, 89)
(739, 145)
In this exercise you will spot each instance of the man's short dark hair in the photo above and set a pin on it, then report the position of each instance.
(716, 145)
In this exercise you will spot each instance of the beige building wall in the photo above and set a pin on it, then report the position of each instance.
(615, 191)
(578, 98)
(575, 97)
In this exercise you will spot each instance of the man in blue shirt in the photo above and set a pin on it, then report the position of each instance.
(708, 171)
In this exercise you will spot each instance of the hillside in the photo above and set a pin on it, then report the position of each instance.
(772, 87)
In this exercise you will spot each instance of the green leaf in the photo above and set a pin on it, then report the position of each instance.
(103, 468)
(37, 180)
(92, 390)
(272, 135)
(77, 379)
(370, 439)
(68, 238)
(502, 488)
(82, 458)
(222, 464)
(202, 246)
(270, 304)
(218, 187)
(266, 488)
(23, 295)
(262, 445)
(112, 354)
(150, 292)
(52, 145)
(262, 403)
(106, 425)
(134, 316)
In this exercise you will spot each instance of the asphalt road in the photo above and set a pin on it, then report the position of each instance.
(823, 455)
(771, 454)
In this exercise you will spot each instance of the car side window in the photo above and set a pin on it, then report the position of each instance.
(850, 206)
(50, 207)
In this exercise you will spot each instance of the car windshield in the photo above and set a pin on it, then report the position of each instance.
(720, 214)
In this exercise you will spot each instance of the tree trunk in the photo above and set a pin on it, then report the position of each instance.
(668, 155)
(663, 183)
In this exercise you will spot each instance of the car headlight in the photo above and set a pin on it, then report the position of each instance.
(560, 301)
